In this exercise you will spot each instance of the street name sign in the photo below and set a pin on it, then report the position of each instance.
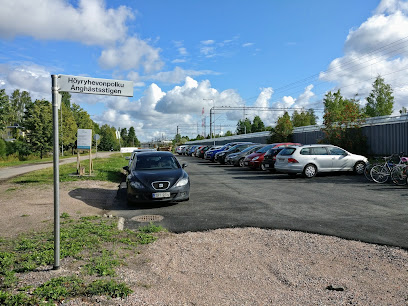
(77, 84)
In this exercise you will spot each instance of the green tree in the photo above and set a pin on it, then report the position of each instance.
(257, 125)
(15, 104)
(244, 127)
(132, 138)
(66, 98)
(304, 118)
(403, 110)
(229, 133)
(342, 120)
(4, 109)
(282, 132)
(380, 102)
(124, 137)
(82, 118)
(68, 131)
(38, 124)
(108, 139)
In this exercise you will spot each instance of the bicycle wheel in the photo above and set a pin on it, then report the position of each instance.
(380, 174)
(399, 175)
(367, 170)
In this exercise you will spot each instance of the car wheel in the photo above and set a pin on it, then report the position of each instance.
(262, 166)
(310, 171)
(359, 167)
(241, 162)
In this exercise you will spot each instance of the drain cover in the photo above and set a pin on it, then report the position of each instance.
(147, 218)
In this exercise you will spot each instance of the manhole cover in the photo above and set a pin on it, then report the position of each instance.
(147, 218)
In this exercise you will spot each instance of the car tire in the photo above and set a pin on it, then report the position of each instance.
(262, 167)
(359, 167)
(309, 171)
(241, 162)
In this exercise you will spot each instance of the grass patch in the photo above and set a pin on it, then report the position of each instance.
(93, 244)
(105, 169)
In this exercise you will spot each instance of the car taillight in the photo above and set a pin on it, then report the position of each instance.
(292, 160)
(274, 158)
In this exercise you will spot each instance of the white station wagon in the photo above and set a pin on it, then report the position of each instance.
(311, 159)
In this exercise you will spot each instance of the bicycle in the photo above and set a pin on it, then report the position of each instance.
(382, 172)
(399, 174)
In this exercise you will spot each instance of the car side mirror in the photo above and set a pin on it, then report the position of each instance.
(127, 157)
(184, 165)
(126, 168)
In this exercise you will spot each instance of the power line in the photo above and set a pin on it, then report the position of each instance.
(310, 78)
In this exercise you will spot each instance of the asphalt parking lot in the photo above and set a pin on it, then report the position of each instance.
(342, 205)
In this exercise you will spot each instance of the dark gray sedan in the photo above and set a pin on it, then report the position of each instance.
(157, 177)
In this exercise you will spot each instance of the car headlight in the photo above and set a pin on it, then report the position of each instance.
(182, 182)
(255, 158)
(136, 185)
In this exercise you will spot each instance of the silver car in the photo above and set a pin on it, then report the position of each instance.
(311, 159)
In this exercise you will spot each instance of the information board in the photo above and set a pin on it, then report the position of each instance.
(84, 139)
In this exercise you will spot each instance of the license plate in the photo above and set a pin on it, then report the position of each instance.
(246, 163)
(266, 165)
(159, 195)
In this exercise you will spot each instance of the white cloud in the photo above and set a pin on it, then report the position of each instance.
(208, 42)
(26, 76)
(90, 23)
(377, 47)
(247, 45)
(177, 75)
(133, 53)
(183, 51)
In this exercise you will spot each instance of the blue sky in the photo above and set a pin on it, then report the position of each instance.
(184, 56)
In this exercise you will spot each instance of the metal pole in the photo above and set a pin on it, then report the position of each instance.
(62, 138)
(56, 172)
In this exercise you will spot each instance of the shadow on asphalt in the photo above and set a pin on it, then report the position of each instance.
(107, 199)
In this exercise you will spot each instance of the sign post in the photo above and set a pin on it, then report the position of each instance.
(84, 85)
(84, 141)
(56, 172)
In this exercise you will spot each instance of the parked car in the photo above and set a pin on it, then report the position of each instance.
(221, 156)
(202, 151)
(191, 149)
(268, 162)
(254, 160)
(312, 159)
(237, 159)
(197, 149)
(180, 149)
(157, 177)
(210, 154)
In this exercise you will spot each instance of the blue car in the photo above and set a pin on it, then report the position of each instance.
(210, 154)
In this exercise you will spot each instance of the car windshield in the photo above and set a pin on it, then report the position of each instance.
(153, 162)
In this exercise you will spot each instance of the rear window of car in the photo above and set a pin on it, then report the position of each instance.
(287, 151)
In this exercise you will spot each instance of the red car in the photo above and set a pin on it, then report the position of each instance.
(254, 160)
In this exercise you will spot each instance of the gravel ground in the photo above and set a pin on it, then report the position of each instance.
(246, 266)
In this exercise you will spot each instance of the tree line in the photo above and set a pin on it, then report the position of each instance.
(31, 125)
